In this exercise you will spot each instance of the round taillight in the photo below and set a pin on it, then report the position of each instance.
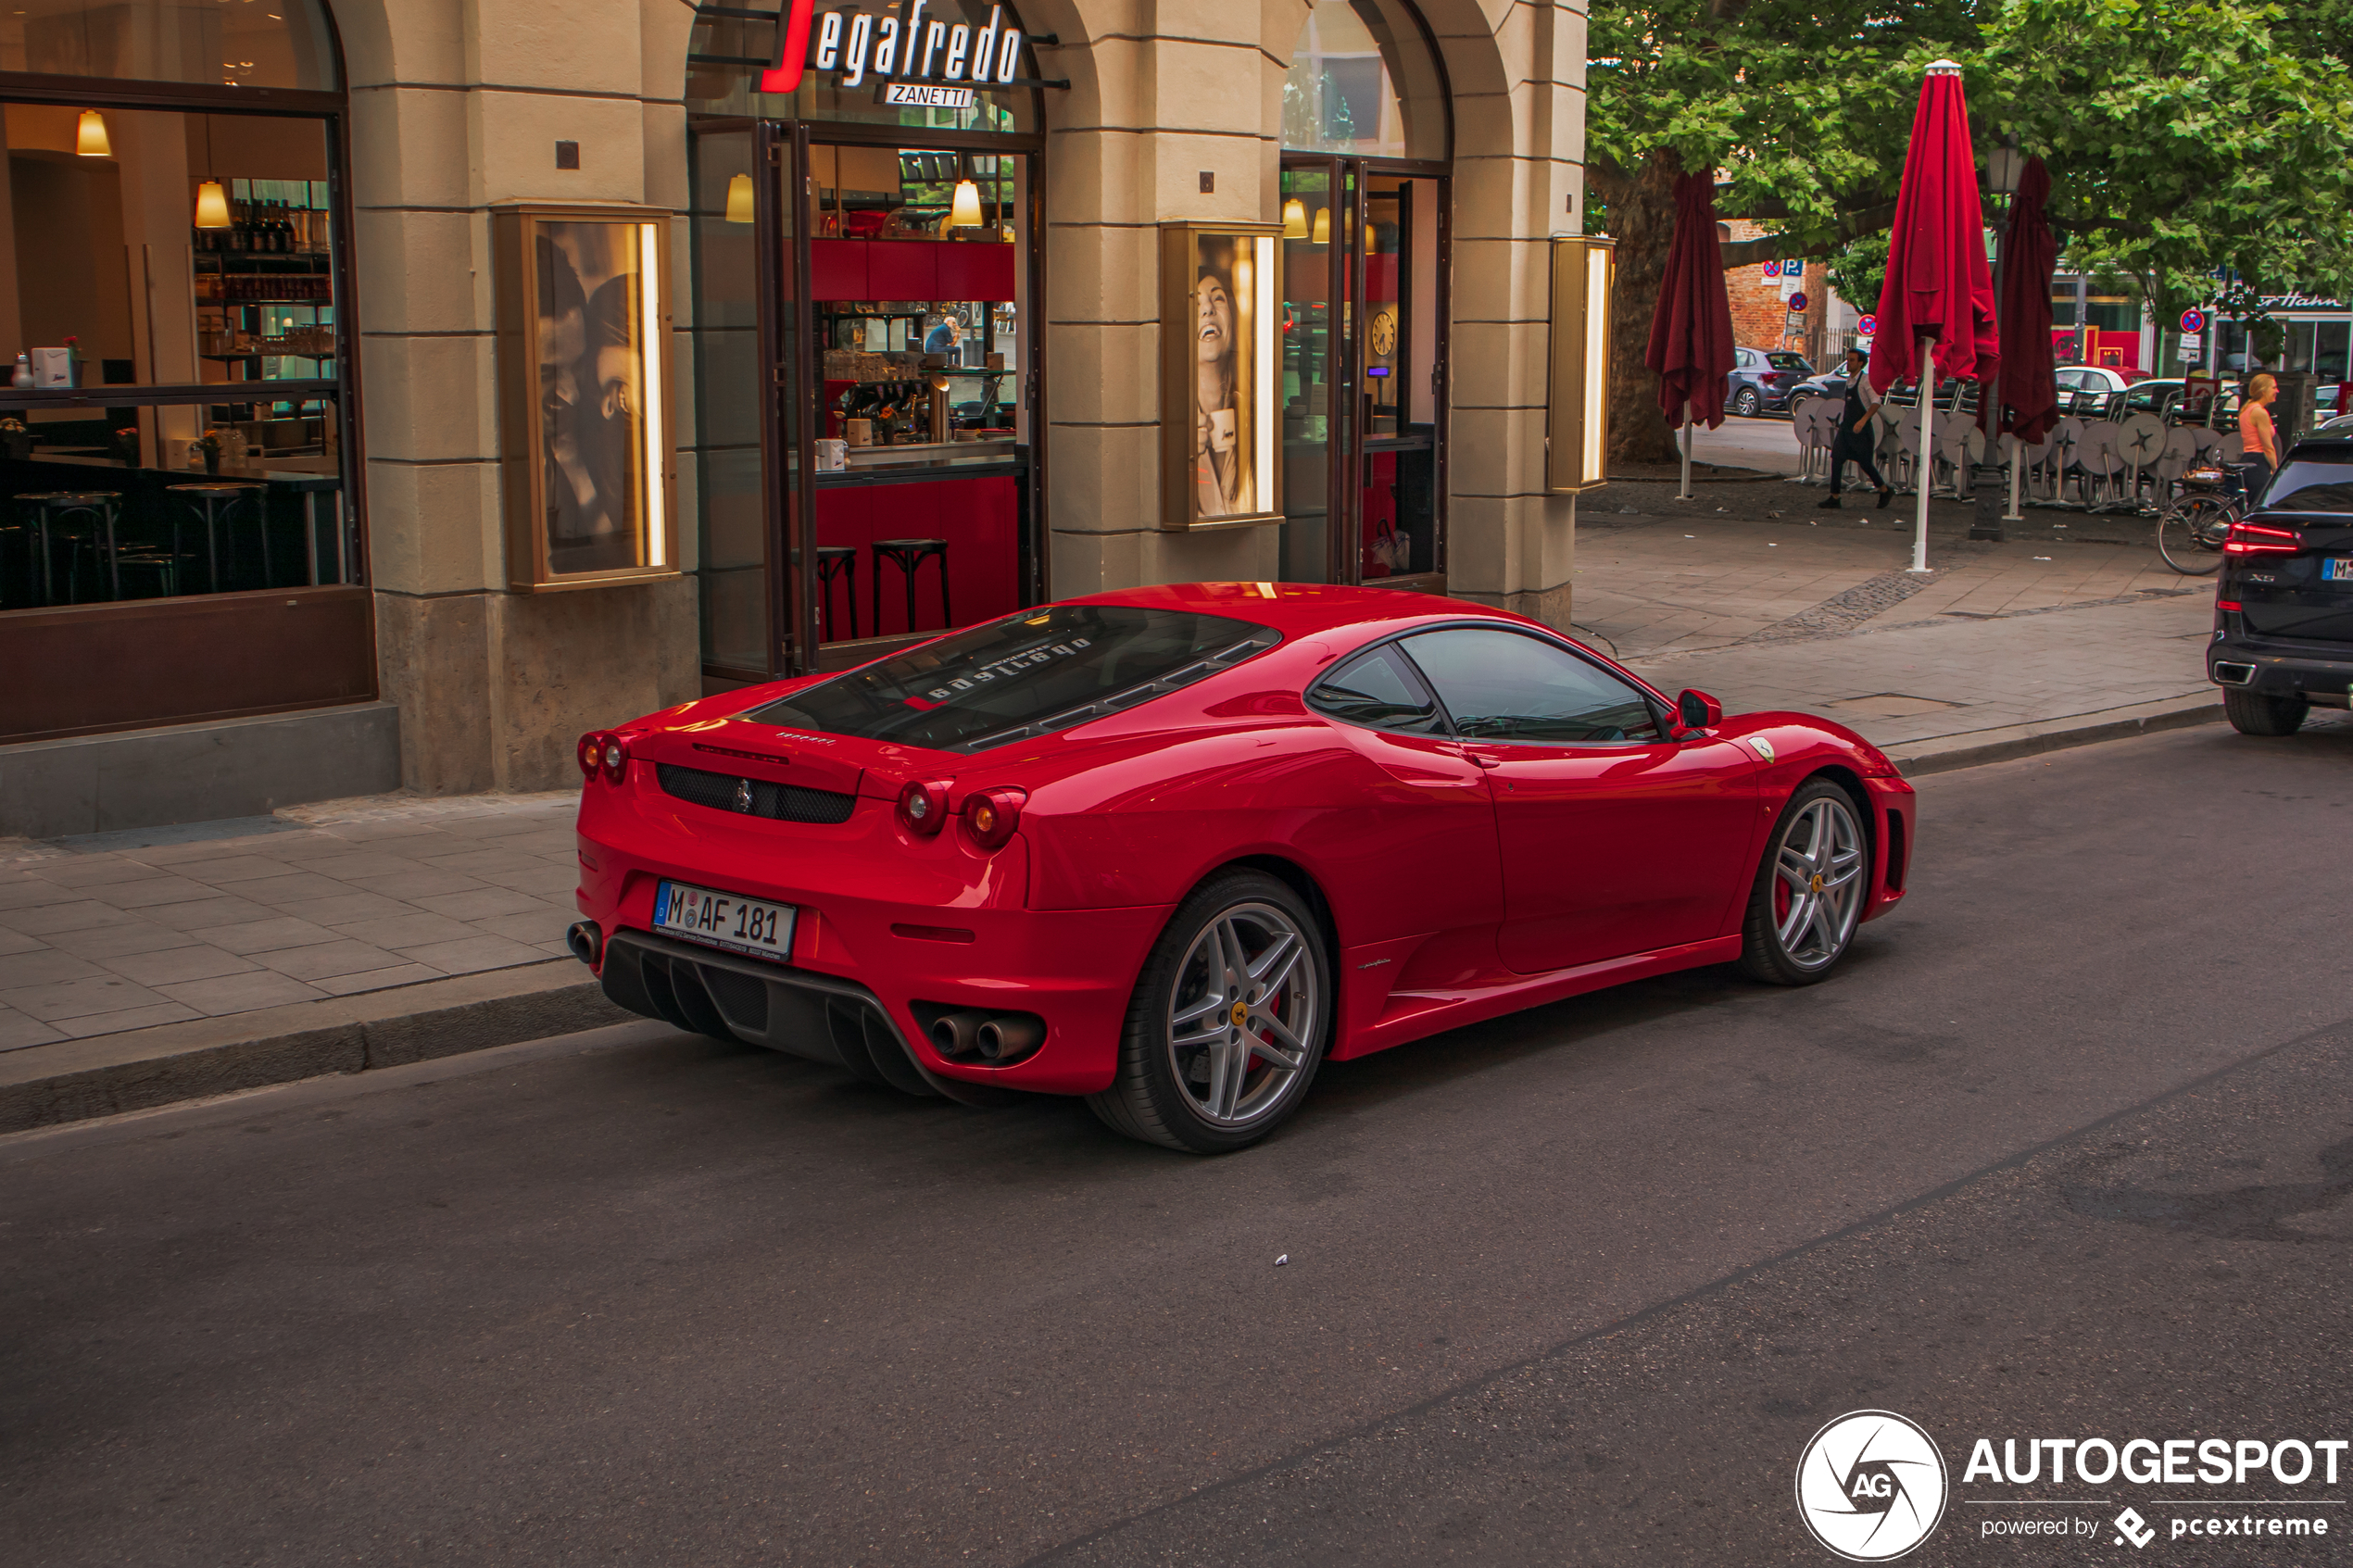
(613, 757)
(992, 815)
(591, 752)
(922, 808)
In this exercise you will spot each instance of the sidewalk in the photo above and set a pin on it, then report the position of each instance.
(122, 931)
(140, 968)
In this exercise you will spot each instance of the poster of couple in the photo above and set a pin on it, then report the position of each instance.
(592, 362)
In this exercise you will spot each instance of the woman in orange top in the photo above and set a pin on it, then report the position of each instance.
(2258, 443)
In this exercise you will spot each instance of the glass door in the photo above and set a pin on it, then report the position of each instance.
(1317, 408)
(1364, 374)
(1401, 347)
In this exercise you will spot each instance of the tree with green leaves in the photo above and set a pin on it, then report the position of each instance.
(2181, 135)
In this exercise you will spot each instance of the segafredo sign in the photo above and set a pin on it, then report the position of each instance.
(924, 59)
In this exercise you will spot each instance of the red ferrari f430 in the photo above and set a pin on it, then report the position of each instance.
(1169, 848)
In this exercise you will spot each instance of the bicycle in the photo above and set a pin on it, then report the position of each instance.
(2191, 530)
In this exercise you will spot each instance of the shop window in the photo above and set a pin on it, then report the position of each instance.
(189, 259)
(1364, 82)
(180, 538)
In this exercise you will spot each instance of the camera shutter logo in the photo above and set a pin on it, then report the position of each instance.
(1871, 1485)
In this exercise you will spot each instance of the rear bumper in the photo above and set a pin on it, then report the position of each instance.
(2270, 668)
(838, 1022)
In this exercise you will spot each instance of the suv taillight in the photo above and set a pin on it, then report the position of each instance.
(2257, 539)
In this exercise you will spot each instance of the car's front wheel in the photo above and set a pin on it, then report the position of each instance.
(1747, 403)
(1229, 1019)
(1808, 895)
(2252, 713)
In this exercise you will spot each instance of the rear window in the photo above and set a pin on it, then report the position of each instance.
(1025, 675)
(2304, 486)
(1790, 362)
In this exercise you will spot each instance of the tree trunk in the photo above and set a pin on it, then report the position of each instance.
(1642, 220)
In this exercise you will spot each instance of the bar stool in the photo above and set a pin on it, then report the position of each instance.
(51, 510)
(215, 504)
(837, 560)
(907, 555)
(148, 557)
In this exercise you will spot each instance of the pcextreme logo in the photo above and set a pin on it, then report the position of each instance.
(1871, 1485)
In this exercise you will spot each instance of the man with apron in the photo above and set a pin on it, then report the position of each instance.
(1853, 443)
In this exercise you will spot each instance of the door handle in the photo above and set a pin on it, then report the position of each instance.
(1476, 760)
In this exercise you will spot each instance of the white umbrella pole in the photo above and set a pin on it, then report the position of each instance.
(1920, 469)
(1686, 494)
(2018, 478)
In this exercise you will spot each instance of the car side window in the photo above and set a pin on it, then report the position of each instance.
(1380, 691)
(1505, 685)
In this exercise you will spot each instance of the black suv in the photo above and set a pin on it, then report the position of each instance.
(2283, 612)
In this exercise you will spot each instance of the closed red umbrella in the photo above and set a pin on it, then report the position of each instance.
(1691, 345)
(1938, 288)
(2028, 384)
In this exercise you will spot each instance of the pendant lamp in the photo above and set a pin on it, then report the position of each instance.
(739, 199)
(1294, 220)
(89, 135)
(966, 212)
(212, 202)
(1323, 226)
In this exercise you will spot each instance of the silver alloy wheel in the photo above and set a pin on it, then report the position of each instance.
(1818, 872)
(1246, 1010)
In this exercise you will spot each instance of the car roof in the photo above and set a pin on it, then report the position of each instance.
(1300, 609)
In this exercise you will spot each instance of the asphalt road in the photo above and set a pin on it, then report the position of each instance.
(2062, 1152)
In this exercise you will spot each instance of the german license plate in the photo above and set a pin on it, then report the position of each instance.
(724, 920)
(2337, 569)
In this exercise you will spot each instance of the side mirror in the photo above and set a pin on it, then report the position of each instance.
(1698, 710)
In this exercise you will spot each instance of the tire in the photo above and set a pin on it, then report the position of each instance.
(1747, 404)
(2190, 533)
(1178, 1084)
(1811, 884)
(2252, 713)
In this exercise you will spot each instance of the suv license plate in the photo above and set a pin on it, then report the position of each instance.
(724, 920)
(2337, 569)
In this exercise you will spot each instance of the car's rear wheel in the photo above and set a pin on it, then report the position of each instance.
(1747, 403)
(1808, 895)
(2252, 713)
(1229, 1019)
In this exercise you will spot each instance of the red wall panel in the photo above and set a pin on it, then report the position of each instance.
(902, 270)
(838, 269)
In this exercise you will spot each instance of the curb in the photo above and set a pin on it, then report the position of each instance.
(72, 1081)
(1950, 753)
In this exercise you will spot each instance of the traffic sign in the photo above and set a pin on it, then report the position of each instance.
(1797, 304)
(1772, 269)
(1867, 326)
(2194, 320)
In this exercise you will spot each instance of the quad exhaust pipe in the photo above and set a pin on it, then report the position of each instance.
(999, 1039)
